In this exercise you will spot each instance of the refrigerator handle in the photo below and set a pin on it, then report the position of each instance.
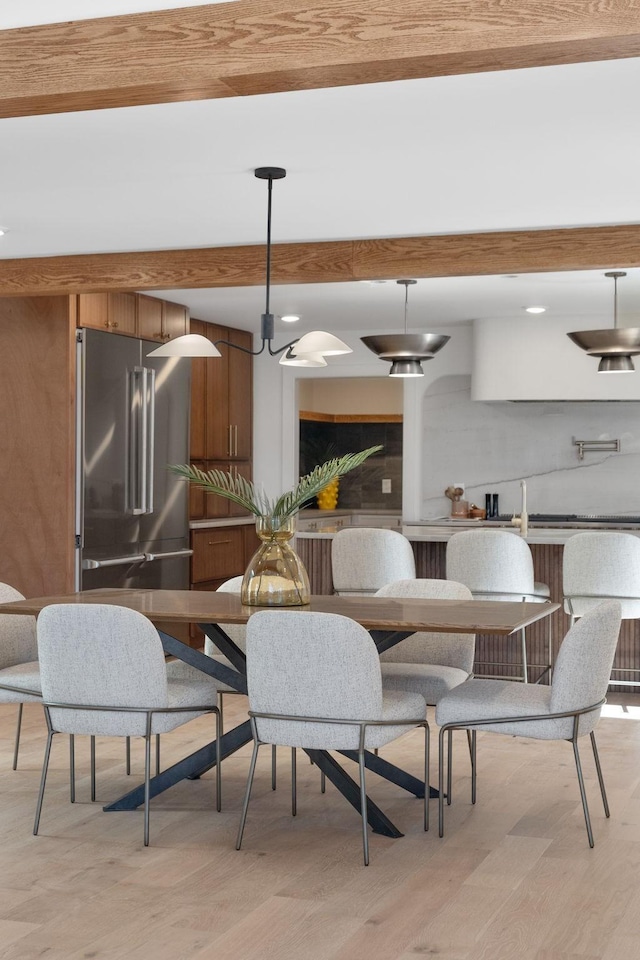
(169, 555)
(150, 435)
(88, 564)
(136, 442)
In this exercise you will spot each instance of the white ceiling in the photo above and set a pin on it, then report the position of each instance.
(545, 147)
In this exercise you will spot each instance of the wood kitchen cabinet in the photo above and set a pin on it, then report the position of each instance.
(221, 397)
(219, 553)
(160, 320)
(113, 312)
(221, 415)
(133, 315)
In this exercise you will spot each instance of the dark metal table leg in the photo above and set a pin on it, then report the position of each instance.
(192, 766)
(349, 789)
(390, 772)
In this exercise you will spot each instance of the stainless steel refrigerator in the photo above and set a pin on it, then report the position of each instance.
(132, 525)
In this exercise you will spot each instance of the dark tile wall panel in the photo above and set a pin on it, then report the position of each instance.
(361, 489)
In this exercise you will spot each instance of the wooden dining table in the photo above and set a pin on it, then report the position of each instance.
(389, 620)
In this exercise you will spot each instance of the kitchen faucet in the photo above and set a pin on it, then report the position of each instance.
(522, 521)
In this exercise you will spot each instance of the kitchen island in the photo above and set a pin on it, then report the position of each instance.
(494, 655)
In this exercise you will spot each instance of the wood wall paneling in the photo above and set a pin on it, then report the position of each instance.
(453, 255)
(245, 48)
(37, 395)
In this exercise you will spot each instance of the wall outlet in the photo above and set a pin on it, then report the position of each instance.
(386, 486)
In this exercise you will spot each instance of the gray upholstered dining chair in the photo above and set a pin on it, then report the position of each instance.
(364, 559)
(19, 668)
(566, 710)
(602, 565)
(428, 663)
(497, 565)
(103, 673)
(314, 682)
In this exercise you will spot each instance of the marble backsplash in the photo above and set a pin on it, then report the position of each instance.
(490, 447)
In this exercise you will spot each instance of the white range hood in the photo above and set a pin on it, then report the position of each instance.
(533, 359)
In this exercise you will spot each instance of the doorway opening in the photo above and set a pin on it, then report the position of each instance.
(346, 415)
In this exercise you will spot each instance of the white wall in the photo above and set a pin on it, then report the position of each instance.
(376, 395)
(490, 447)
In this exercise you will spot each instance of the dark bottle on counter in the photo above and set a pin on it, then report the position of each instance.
(487, 505)
(495, 513)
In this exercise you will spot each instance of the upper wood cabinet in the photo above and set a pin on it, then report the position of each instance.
(113, 312)
(161, 320)
(133, 314)
(221, 414)
(222, 397)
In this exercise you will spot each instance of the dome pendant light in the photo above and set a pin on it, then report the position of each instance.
(313, 346)
(406, 351)
(614, 346)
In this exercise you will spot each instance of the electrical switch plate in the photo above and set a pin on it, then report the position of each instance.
(386, 486)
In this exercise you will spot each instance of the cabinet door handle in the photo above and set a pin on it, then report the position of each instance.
(235, 436)
(216, 543)
(229, 442)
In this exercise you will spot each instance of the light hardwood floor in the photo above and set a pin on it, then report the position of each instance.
(513, 877)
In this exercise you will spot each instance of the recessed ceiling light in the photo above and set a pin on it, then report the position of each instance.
(290, 318)
(536, 309)
(2, 231)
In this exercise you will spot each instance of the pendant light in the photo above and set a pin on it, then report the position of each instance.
(406, 351)
(307, 351)
(614, 346)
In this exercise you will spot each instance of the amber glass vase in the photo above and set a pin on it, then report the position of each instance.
(276, 576)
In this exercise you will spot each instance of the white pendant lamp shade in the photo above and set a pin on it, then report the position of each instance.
(190, 345)
(317, 341)
(406, 351)
(290, 359)
(616, 345)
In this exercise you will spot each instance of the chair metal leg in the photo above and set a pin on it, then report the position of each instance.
(218, 764)
(525, 668)
(43, 780)
(427, 791)
(583, 794)
(72, 768)
(221, 711)
(603, 792)
(247, 794)
(147, 790)
(16, 745)
(449, 765)
(273, 766)
(363, 806)
(443, 731)
(128, 756)
(294, 784)
(93, 769)
(473, 766)
(323, 782)
(157, 754)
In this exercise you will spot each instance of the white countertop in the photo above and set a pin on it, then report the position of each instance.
(441, 532)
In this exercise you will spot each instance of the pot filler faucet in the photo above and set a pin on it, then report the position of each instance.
(522, 521)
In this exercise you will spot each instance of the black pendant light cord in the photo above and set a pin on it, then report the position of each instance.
(267, 320)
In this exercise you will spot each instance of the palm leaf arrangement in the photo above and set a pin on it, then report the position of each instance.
(245, 493)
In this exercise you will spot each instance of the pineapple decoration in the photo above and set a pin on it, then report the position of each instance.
(328, 497)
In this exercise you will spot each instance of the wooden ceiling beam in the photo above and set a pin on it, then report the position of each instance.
(451, 255)
(265, 46)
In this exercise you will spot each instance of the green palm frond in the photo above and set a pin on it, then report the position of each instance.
(310, 485)
(228, 485)
(245, 494)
